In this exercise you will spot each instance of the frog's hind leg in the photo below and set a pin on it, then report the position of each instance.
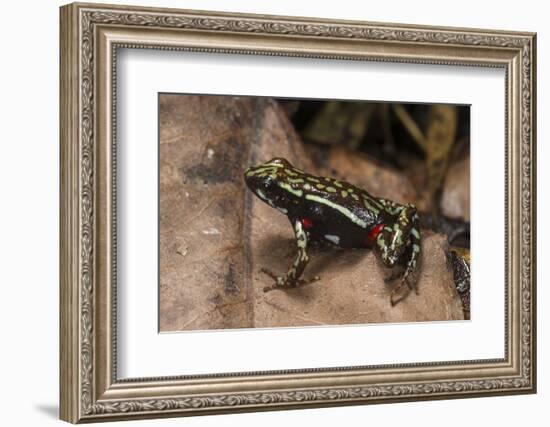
(292, 277)
(394, 241)
(413, 258)
(399, 245)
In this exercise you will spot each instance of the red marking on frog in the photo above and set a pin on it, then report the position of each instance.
(307, 223)
(373, 234)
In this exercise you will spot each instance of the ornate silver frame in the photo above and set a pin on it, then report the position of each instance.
(90, 36)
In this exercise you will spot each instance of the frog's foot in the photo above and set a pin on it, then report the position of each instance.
(271, 288)
(399, 293)
(412, 286)
(411, 279)
(406, 278)
(278, 279)
(406, 285)
(285, 282)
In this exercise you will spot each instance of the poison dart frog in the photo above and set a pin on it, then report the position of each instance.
(326, 209)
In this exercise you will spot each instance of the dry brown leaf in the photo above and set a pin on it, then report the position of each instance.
(215, 235)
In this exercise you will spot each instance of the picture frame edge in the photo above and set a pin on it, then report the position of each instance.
(80, 400)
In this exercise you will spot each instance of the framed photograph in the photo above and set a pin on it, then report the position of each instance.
(265, 212)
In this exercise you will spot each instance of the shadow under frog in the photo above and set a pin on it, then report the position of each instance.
(323, 254)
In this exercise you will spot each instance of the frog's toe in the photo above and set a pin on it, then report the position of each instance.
(278, 280)
(395, 297)
(310, 280)
(397, 294)
(270, 274)
(393, 300)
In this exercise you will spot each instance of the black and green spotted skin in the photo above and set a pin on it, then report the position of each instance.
(327, 209)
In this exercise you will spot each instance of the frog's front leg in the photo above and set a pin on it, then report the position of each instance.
(292, 277)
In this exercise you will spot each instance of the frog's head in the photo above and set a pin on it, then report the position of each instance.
(389, 245)
(269, 181)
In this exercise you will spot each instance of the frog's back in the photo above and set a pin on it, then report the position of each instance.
(340, 210)
(341, 193)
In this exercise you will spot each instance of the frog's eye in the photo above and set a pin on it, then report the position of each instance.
(268, 183)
